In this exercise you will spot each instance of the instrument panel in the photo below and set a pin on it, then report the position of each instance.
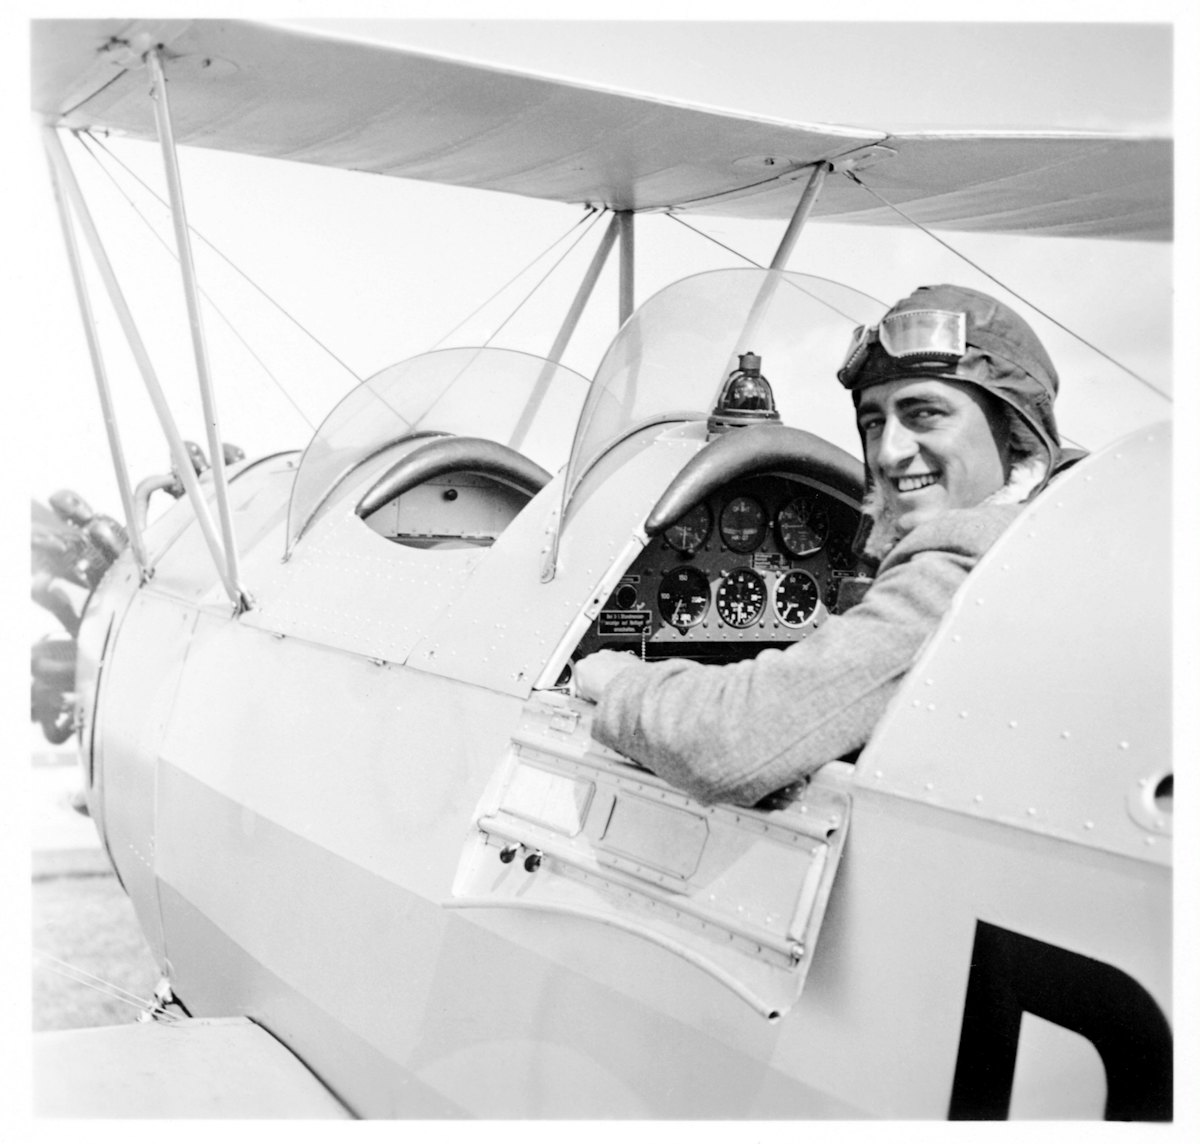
(761, 562)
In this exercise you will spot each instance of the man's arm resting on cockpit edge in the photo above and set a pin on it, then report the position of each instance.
(738, 732)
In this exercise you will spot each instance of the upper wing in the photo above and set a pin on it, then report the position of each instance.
(289, 94)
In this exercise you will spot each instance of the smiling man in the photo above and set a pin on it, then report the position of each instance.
(955, 402)
(955, 399)
(931, 446)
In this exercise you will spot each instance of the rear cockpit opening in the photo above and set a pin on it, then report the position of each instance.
(451, 492)
(461, 510)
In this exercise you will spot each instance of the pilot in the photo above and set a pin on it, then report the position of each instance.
(954, 395)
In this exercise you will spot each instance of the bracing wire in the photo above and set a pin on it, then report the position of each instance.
(114, 992)
(207, 297)
(717, 241)
(1004, 286)
(524, 270)
(228, 261)
(594, 216)
(791, 282)
(591, 214)
(538, 284)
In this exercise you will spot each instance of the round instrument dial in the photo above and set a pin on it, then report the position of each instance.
(741, 598)
(690, 531)
(797, 598)
(743, 524)
(683, 597)
(803, 526)
(840, 554)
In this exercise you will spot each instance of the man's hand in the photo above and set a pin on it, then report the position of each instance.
(594, 672)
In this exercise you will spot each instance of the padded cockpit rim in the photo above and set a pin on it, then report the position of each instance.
(475, 455)
(749, 451)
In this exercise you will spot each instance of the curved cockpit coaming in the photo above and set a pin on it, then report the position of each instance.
(454, 491)
(460, 509)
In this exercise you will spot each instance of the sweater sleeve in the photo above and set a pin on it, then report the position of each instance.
(737, 732)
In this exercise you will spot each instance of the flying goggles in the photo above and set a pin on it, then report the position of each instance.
(909, 337)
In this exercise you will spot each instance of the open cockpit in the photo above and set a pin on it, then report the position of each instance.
(450, 492)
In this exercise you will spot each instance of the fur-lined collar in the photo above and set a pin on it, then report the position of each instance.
(1023, 481)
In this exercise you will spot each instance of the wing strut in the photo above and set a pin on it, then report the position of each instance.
(115, 448)
(166, 137)
(574, 313)
(591, 276)
(183, 465)
(804, 208)
(625, 308)
(617, 226)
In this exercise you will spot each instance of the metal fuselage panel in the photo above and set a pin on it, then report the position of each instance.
(142, 677)
(133, 643)
(404, 1008)
(407, 1009)
(1044, 698)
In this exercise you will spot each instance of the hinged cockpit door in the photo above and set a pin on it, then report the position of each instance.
(569, 827)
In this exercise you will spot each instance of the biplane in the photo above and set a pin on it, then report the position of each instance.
(323, 697)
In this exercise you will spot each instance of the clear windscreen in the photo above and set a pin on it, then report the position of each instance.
(672, 357)
(517, 399)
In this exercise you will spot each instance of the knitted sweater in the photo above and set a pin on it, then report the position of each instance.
(738, 732)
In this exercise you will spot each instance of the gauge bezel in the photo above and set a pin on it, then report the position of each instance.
(706, 531)
(689, 571)
(816, 507)
(740, 573)
(796, 573)
(741, 547)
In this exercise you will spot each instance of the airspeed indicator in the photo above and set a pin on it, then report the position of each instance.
(683, 597)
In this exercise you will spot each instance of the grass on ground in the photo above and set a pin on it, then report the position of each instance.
(89, 923)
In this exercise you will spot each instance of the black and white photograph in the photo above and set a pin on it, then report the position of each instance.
(610, 566)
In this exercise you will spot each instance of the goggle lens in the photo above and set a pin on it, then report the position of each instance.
(937, 334)
(913, 335)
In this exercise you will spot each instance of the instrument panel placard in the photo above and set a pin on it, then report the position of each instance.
(622, 622)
